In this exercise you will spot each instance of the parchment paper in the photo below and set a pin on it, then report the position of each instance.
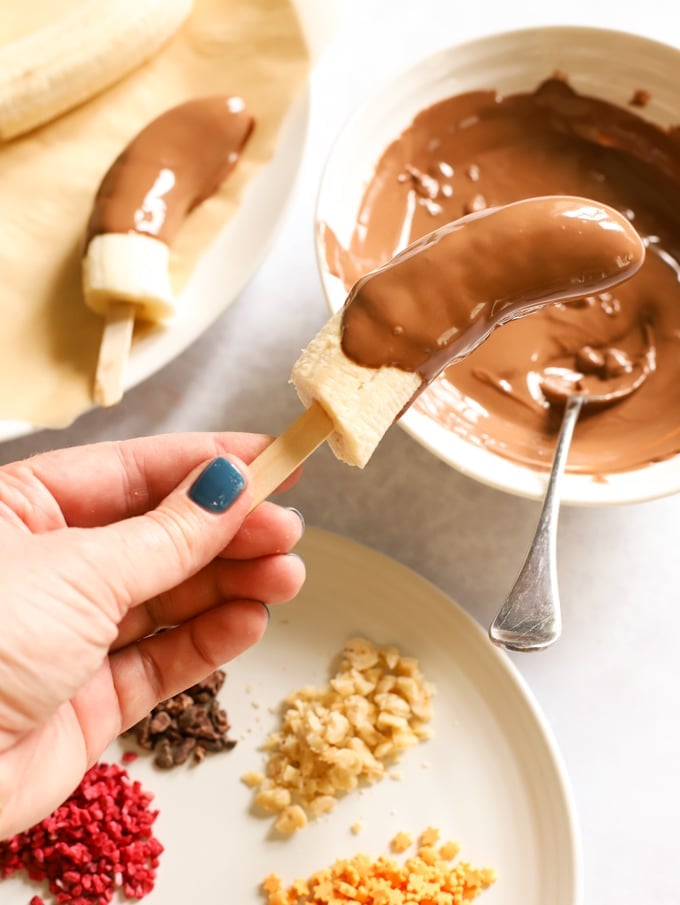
(49, 340)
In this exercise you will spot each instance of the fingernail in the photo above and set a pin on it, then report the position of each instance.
(217, 486)
(269, 615)
(299, 515)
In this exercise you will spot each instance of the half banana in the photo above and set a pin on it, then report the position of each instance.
(65, 63)
(172, 165)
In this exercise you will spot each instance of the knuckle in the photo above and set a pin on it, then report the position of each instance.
(185, 539)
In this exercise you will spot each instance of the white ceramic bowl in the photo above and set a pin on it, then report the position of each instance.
(607, 64)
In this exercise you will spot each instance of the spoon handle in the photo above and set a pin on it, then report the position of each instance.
(530, 618)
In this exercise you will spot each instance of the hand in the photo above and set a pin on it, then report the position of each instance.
(101, 546)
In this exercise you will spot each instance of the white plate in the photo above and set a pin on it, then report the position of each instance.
(243, 242)
(491, 777)
(601, 62)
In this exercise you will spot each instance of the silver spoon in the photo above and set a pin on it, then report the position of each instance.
(530, 619)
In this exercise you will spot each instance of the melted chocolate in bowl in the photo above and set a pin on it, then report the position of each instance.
(478, 150)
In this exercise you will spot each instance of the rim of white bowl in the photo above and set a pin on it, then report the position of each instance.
(653, 481)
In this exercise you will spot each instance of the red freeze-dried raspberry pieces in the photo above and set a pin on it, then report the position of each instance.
(98, 840)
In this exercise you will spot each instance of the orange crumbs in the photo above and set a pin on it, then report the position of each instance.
(428, 876)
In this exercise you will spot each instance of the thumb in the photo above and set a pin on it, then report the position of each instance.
(145, 555)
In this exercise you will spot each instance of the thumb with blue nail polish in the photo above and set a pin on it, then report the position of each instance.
(217, 486)
(185, 530)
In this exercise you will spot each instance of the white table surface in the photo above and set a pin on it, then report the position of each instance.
(609, 686)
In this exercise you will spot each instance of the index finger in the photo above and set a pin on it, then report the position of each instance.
(104, 482)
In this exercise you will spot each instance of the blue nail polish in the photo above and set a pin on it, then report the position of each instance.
(217, 486)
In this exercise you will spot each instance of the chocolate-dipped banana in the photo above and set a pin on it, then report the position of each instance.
(172, 165)
(438, 299)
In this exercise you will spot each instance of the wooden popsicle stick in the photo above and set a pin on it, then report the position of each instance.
(288, 451)
(114, 352)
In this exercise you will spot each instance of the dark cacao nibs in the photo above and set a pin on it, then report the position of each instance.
(187, 726)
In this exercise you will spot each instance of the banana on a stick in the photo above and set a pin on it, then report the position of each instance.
(171, 166)
(434, 303)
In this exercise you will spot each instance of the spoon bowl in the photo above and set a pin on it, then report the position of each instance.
(530, 618)
(559, 390)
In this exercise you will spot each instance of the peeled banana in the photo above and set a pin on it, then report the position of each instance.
(361, 402)
(69, 61)
(129, 267)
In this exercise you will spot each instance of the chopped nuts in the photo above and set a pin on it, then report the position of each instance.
(290, 819)
(428, 876)
(273, 798)
(332, 739)
(252, 779)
